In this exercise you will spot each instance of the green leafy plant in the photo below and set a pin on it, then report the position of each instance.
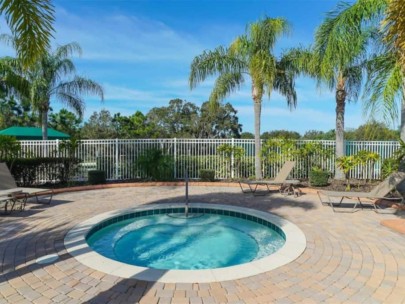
(207, 175)
(229, 151)
(10, 148)
(277, 150)
(155, 165)
(70, 164)
(364, 159)
(400, 153)
(389, 165)
(27, 171)
(318, 177)
(313, 153)
(96, 177)
(346, 164)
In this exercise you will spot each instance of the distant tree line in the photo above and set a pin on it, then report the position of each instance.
(179, 119)
(372, 130)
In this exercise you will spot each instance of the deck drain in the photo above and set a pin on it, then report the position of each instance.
(47, 259)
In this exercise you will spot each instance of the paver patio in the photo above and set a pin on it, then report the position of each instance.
(350, 258)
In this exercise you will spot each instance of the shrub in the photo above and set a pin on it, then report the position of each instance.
(347, 163)
(69, 162)
(207, 175)
(318, 177)
(27, 171)
(389, 166)
(228, 152)
(155, 165)
(96, 177)
(106, 164)
(10, 147)
(366, 158)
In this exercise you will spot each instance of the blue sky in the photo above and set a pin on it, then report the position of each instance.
(140, 51)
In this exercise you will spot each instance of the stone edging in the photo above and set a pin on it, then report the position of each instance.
(77, 246)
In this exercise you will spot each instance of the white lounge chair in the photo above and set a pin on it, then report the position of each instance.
(286, 186)
(362, 198)
(9, 188)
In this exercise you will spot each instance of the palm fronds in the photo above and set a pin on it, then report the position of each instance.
(394, 25)
(30, 22)
(209, 63)
(384, 86)
(224, 85)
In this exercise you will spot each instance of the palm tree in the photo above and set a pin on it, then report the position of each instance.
(386, 68)
(336, 59)
(30, 23)
(249, 55)
(395, 26)
(386, 71)
(53, 76)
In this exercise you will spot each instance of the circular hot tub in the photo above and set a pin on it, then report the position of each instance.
(160, 243)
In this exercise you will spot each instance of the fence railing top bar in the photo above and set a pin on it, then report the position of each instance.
(198, 140)
(374, 142)
(39, 141)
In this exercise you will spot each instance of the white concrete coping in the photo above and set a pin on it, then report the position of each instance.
(47, 259)
(77, 246)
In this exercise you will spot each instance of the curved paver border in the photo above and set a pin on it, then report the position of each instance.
(76, 244)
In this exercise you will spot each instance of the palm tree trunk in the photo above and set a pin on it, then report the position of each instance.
(257, 106)
(44, 117)
(402, 130)
(340, 125)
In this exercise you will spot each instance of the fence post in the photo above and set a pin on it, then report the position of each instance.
(175, 158)
(57, 148)
(116, 158)
(233, 159)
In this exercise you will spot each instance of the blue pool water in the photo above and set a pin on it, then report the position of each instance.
(206, 242)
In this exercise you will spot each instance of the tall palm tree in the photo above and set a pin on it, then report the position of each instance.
(53, 76)
(30, 23)
(386, 68)
(395, 26)
(336, 58)
(249, 55)
(386, 77)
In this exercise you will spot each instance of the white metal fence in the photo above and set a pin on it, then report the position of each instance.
(118, 157)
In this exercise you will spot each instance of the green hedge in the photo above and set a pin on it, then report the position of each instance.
(207, 175)
(318, 177)
(96, 177)
(27, 171)
(154, 164)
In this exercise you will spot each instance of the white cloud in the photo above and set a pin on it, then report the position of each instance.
(183, 83)
(118, 37)
(113, 92)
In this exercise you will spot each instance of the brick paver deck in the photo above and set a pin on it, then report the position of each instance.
(350, 258)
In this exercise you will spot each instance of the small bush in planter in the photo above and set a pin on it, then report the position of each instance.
(96, 177)
(318, 177)
(207, 175)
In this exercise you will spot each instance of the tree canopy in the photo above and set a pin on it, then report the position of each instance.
(179, 119)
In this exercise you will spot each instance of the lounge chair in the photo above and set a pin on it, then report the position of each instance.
(9, 201)
(9, 188)
(7, 204)
(361, 198)
(286, 186)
